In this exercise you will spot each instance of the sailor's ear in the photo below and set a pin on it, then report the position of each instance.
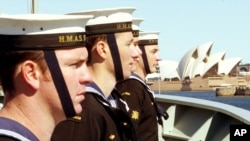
(30, 72)
(102, 49)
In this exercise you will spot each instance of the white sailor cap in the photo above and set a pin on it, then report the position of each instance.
(148, 38)
(109, 20)
(42, 31)
(136, 26)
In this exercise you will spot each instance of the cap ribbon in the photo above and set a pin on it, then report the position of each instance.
(135, 33)
(115, 56)
(108, 28)
(145, 59)
(149, 42)
(59, 82)
(42, 42)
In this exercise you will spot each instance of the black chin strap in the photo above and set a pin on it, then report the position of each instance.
(145, 59)
(116, 56)
(59, 82)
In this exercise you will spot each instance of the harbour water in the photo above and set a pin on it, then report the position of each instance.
(238, 101)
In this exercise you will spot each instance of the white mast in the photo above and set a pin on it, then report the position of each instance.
(33, 6)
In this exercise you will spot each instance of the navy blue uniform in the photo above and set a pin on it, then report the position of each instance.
(143, 109)
(11, 130)
(100, 120)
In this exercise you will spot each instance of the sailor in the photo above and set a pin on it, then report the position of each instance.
(138, 95)
(104, 116)
(43, 73)
(136, 29)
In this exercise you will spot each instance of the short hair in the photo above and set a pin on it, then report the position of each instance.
(9, 60)
(91, 40)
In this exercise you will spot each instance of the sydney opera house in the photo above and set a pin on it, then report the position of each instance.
(198, 69)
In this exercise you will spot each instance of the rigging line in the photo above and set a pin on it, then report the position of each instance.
(28, 6)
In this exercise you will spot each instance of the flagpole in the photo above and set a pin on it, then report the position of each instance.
(33, 6)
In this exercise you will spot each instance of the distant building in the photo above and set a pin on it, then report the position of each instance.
(198, 62)
(244, 69)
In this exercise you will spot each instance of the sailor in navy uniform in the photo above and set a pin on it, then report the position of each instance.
(104, 116)
(143, 109)
(37, 88)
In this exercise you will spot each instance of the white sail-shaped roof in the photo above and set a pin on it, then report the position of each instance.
(212, 61)
(226, 66)
(185, 65)
(205, 49)
(197, 62)
(153, 76)
(168, 69)
(198, 67)
(203, 54)
(189, 69)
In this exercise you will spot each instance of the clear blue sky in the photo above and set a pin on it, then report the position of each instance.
(183, 24)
